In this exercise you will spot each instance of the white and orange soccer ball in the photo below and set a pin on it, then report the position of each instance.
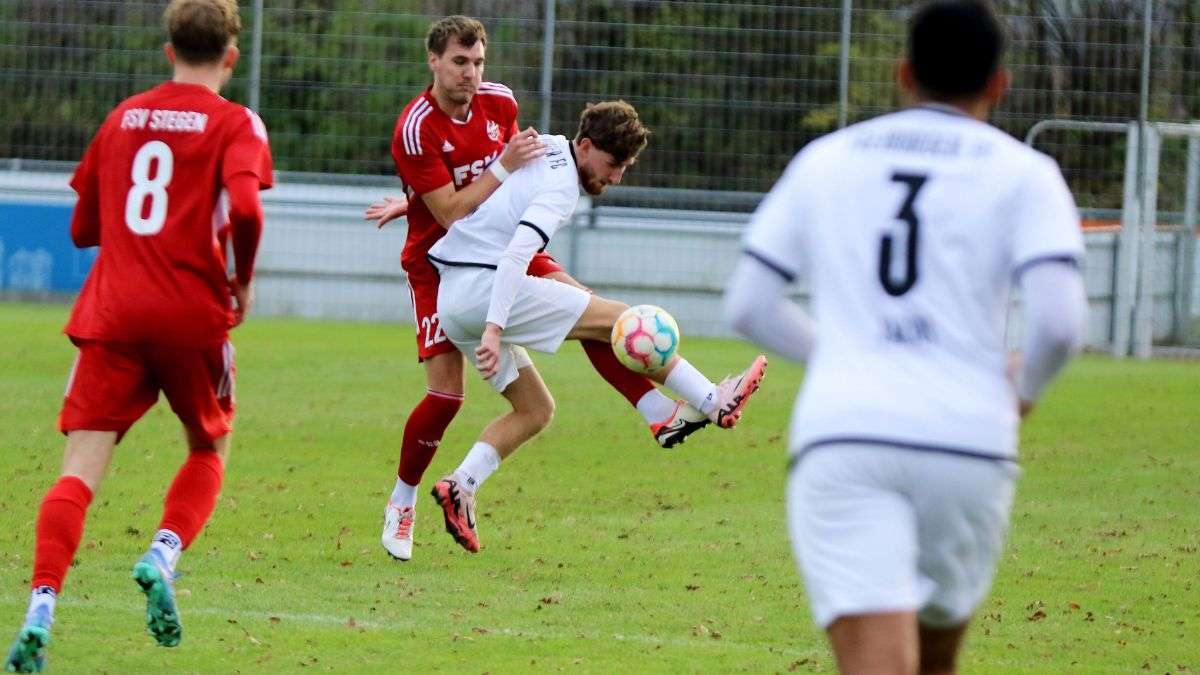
(645, 338)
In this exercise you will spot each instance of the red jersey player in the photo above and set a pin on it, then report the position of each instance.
(453, 146)
(171, 173)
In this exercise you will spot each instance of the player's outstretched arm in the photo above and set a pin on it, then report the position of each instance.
(1055, 321)
(390, 209)
(449, 205)
(757, 307)
(246, 222)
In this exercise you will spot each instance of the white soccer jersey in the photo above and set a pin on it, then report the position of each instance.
(541, 195)
(910, 228)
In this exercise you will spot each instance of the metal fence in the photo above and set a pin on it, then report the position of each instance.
(731, 89)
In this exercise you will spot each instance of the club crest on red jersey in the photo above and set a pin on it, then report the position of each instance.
(493, 130)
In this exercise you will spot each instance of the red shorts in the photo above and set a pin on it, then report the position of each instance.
(113, 384)
(423, 286)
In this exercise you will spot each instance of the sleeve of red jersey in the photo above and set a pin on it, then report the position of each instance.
(248, 151)
(246, 168)
(85, 218)
(418, 154)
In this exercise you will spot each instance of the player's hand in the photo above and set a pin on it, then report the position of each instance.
(487, 354)
(391, 209)
(522, 147)
(1012, 370)
(243, 297)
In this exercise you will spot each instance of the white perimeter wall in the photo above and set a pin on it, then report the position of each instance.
(320, 259)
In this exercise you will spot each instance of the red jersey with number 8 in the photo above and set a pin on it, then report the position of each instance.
(159, 164)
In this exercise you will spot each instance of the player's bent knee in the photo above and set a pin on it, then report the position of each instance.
(538, 417)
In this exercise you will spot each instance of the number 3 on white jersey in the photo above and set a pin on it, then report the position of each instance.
(144, 185)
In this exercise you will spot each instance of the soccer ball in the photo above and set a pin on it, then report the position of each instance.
(645, 338)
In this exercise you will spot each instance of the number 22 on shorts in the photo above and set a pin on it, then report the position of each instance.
(433, 330)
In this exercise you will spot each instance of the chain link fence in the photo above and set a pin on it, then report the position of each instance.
(731, 89)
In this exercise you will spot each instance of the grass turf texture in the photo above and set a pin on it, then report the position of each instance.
(601, 552)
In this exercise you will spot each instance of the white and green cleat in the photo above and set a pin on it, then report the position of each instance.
(28, 653)
(158, 583)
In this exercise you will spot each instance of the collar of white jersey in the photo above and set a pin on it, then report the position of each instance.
(944, 108)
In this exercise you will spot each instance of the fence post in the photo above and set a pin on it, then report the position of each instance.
(1125, 279)
(844, 67)
(256, 57)
(547, 68)
(1185, 271)
(1143, 308)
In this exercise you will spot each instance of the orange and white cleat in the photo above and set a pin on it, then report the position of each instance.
(734, 392)
(458, 507)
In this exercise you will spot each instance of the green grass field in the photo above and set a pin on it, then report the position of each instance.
(601, 552)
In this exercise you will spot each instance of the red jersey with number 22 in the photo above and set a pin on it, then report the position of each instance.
(159, 163)
(432, 149)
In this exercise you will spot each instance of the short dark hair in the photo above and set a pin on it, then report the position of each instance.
(465, 30)
(954, 47)
(615, 128)
(201, 30)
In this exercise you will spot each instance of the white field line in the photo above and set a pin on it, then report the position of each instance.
(332, 620)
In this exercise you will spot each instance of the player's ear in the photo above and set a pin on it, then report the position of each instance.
(431, 60)
(231, 56)
(997, 85)
(906, 78)
(169, 50)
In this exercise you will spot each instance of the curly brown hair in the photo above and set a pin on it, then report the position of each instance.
(201, 30)
(615, 128)
(465, 30)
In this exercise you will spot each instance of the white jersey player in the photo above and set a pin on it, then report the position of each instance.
(909, 229)
(492, 310)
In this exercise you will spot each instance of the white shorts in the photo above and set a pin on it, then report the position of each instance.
(542, 315)
(878, 528)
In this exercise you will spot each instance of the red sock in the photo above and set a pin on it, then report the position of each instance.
(193, 494)
(423, 432)
(627, 383)
(59, 529)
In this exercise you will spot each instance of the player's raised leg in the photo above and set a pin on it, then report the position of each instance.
(671, 421)
(59, 530)
(721, 403)
(532, 411)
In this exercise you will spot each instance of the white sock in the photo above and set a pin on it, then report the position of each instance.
(479, 463)
(693, 386)
(42, 596)
(655, 406)
(403, 494)
(169, 545)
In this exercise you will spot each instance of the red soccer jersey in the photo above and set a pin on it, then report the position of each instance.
(158, 165)
(431, 149)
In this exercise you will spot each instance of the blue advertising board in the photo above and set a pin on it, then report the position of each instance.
(36, 253)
